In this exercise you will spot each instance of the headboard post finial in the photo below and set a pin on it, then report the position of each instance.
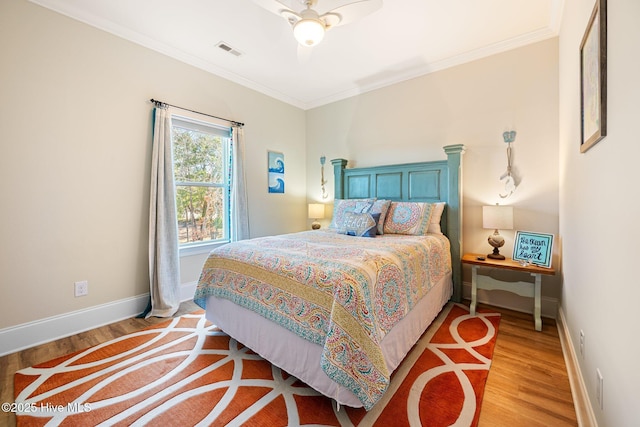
(338, 173)
(454, 149)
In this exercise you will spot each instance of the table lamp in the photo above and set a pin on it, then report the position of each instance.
(316, 212)
(498, 218)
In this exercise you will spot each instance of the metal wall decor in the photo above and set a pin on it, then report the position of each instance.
(509, 181)
(323, 181)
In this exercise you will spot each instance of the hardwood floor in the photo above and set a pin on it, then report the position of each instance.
(527, 385)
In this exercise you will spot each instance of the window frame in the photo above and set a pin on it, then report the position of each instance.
(204, 126)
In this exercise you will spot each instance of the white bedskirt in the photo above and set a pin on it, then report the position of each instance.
(301, 358)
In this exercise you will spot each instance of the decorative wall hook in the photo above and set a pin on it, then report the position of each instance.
(509, 136)
(509, 183)
(323, 181)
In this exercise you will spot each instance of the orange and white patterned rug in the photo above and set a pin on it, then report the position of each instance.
(185, 372)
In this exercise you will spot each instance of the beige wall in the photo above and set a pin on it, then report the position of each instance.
(599, 214)
(75, 163)
(470, 104)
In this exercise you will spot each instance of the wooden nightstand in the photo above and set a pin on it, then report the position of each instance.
(525, 289)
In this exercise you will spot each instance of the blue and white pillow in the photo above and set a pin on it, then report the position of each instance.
(342, 206)
(360, 224)
(408, 218)
(380, 207)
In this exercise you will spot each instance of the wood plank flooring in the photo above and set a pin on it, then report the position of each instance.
(527, 385)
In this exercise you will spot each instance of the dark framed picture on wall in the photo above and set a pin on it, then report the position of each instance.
(593, 78)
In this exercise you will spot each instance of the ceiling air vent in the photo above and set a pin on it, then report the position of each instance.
(224, 46)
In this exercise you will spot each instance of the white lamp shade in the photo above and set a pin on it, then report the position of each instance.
(308, 32)
(316, 210)
(497, 217)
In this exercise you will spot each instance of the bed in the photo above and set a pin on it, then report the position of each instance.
(337, 310)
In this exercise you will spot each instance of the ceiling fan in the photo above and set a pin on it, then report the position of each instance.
(309, 24)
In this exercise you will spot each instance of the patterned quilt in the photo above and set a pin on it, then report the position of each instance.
(342, 292)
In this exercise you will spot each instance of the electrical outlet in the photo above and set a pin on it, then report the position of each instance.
(599, 389)
(582, 343)
(81, 288)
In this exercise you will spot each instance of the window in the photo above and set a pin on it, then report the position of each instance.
(201, 167)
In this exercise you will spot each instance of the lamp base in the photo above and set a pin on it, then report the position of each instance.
(315, 225)
(497, 241)
(495, 256)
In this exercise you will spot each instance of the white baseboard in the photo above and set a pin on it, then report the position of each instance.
(548, 306)
(581, 401)
(20, 337)
(187, 290)
(16, 338)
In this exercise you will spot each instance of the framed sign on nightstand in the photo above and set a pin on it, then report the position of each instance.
(534, 248)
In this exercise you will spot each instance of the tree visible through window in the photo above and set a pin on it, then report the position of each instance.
(201, 173)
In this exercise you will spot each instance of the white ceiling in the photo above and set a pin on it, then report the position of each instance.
(402, 40)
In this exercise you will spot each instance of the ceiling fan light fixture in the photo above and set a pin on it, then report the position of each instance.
(308, 25)
(309, 31)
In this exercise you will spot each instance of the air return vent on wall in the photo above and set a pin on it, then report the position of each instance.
(225, 46)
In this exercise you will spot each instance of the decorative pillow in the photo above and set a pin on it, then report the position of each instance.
(408, 218)
(380, 207)
(436, 214)
(360, 224)
(342, 206)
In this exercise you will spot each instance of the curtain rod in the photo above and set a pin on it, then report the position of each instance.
(160, 104)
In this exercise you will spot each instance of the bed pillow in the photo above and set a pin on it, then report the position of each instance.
(342, 206)
(408, 218)
(380, 207)
(436, 215)
(360, 224)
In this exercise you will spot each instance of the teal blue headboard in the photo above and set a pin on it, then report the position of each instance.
(438, 181)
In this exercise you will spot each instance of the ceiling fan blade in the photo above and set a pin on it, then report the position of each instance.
(273, 6)
(355, 10)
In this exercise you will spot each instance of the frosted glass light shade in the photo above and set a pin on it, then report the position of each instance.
(308, 32)
(497, 217)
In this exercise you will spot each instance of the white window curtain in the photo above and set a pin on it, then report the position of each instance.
(239, 207)
(164, 258)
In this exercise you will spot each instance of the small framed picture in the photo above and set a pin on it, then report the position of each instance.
(535, 248)
(275, 161)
